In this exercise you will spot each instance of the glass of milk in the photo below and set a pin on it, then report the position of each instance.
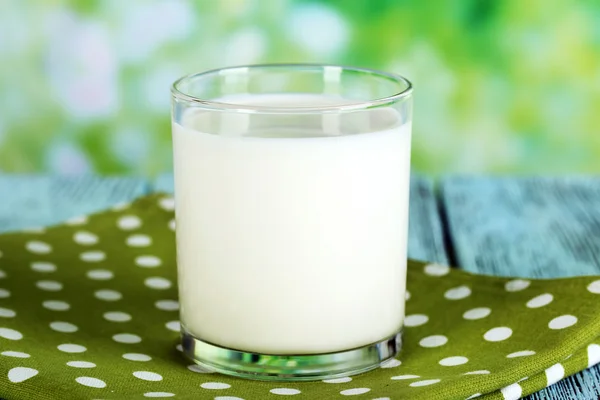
(291, 187)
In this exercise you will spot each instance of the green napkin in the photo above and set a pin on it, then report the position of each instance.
(88, 310)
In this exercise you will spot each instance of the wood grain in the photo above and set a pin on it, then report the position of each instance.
(34, 200)
(528, 227)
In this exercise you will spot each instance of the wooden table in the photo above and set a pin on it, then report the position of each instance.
(527, 227)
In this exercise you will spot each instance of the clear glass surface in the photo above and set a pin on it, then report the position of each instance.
(291, 187)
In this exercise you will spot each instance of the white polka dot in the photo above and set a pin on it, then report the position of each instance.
(407, 295)
(2, 274)
(174, 326)
(159, 394)
(51, 286)
(199, 369)
(473, 396)
(338, 380)
(425, 382)
(393, 363)
(167, 203)
(477, 313)
(148, 376)
(79, 220)
(284, 391)
(554, 374)
(136, 357)
(498, 334)
(71, 348)
(593, 353)
(42, 266)
(167, 305)
(85, 238)
(479, 372)
(129, 222)
(512, 392)
(523, 353)
(16, 354)
(452, 361)
(139, 240)
(219, 386)
(415, 320)
(403, 377)
(179, 347)
(20, 374)
(7, 313)
(228, 398)
(594, 287)
(564, 321)
(91, 382)
(100, 274)
(37, 247)
(121, 206)
(172, 225)
(56, 305)
(157, 283)
(117, 316)
(355, 391)
(107, 295)
(93, 256)
(436, 270)
(148, 261)
(4, 293)
(516, 285)
(65, 327)
(81, 364)
(126, 338)
(458, 293)
(433, 341)
(540, 301)
(10, 334)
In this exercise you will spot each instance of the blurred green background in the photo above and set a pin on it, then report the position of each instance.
(506, 86)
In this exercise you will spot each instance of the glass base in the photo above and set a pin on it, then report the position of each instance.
(304, 367)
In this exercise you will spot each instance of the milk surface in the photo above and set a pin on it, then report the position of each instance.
(291, 230)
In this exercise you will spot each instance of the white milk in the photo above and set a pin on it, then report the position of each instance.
(294, 244)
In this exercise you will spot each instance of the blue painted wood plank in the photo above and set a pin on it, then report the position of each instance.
(528, 227)
(33, 200)
(425, 237)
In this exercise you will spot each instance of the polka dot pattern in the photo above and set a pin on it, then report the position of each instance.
(65, 327)
(91, 382)
(562, 322)
(126, 338)
(458, 293)
(517, 285)
(148, 376)
(117, 316)
(540, 301)
(477, 313)
(129, 222)
(452, 361)
(85, 238)
(148, 261)
(139, 240)
(498, 334)
(100, 274)
(137, 357)
(415, 320)
(42, 266)
(109, 282)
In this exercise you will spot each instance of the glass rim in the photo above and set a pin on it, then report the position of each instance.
(178, 94)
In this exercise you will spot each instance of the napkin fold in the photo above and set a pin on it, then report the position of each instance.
(88, 310)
